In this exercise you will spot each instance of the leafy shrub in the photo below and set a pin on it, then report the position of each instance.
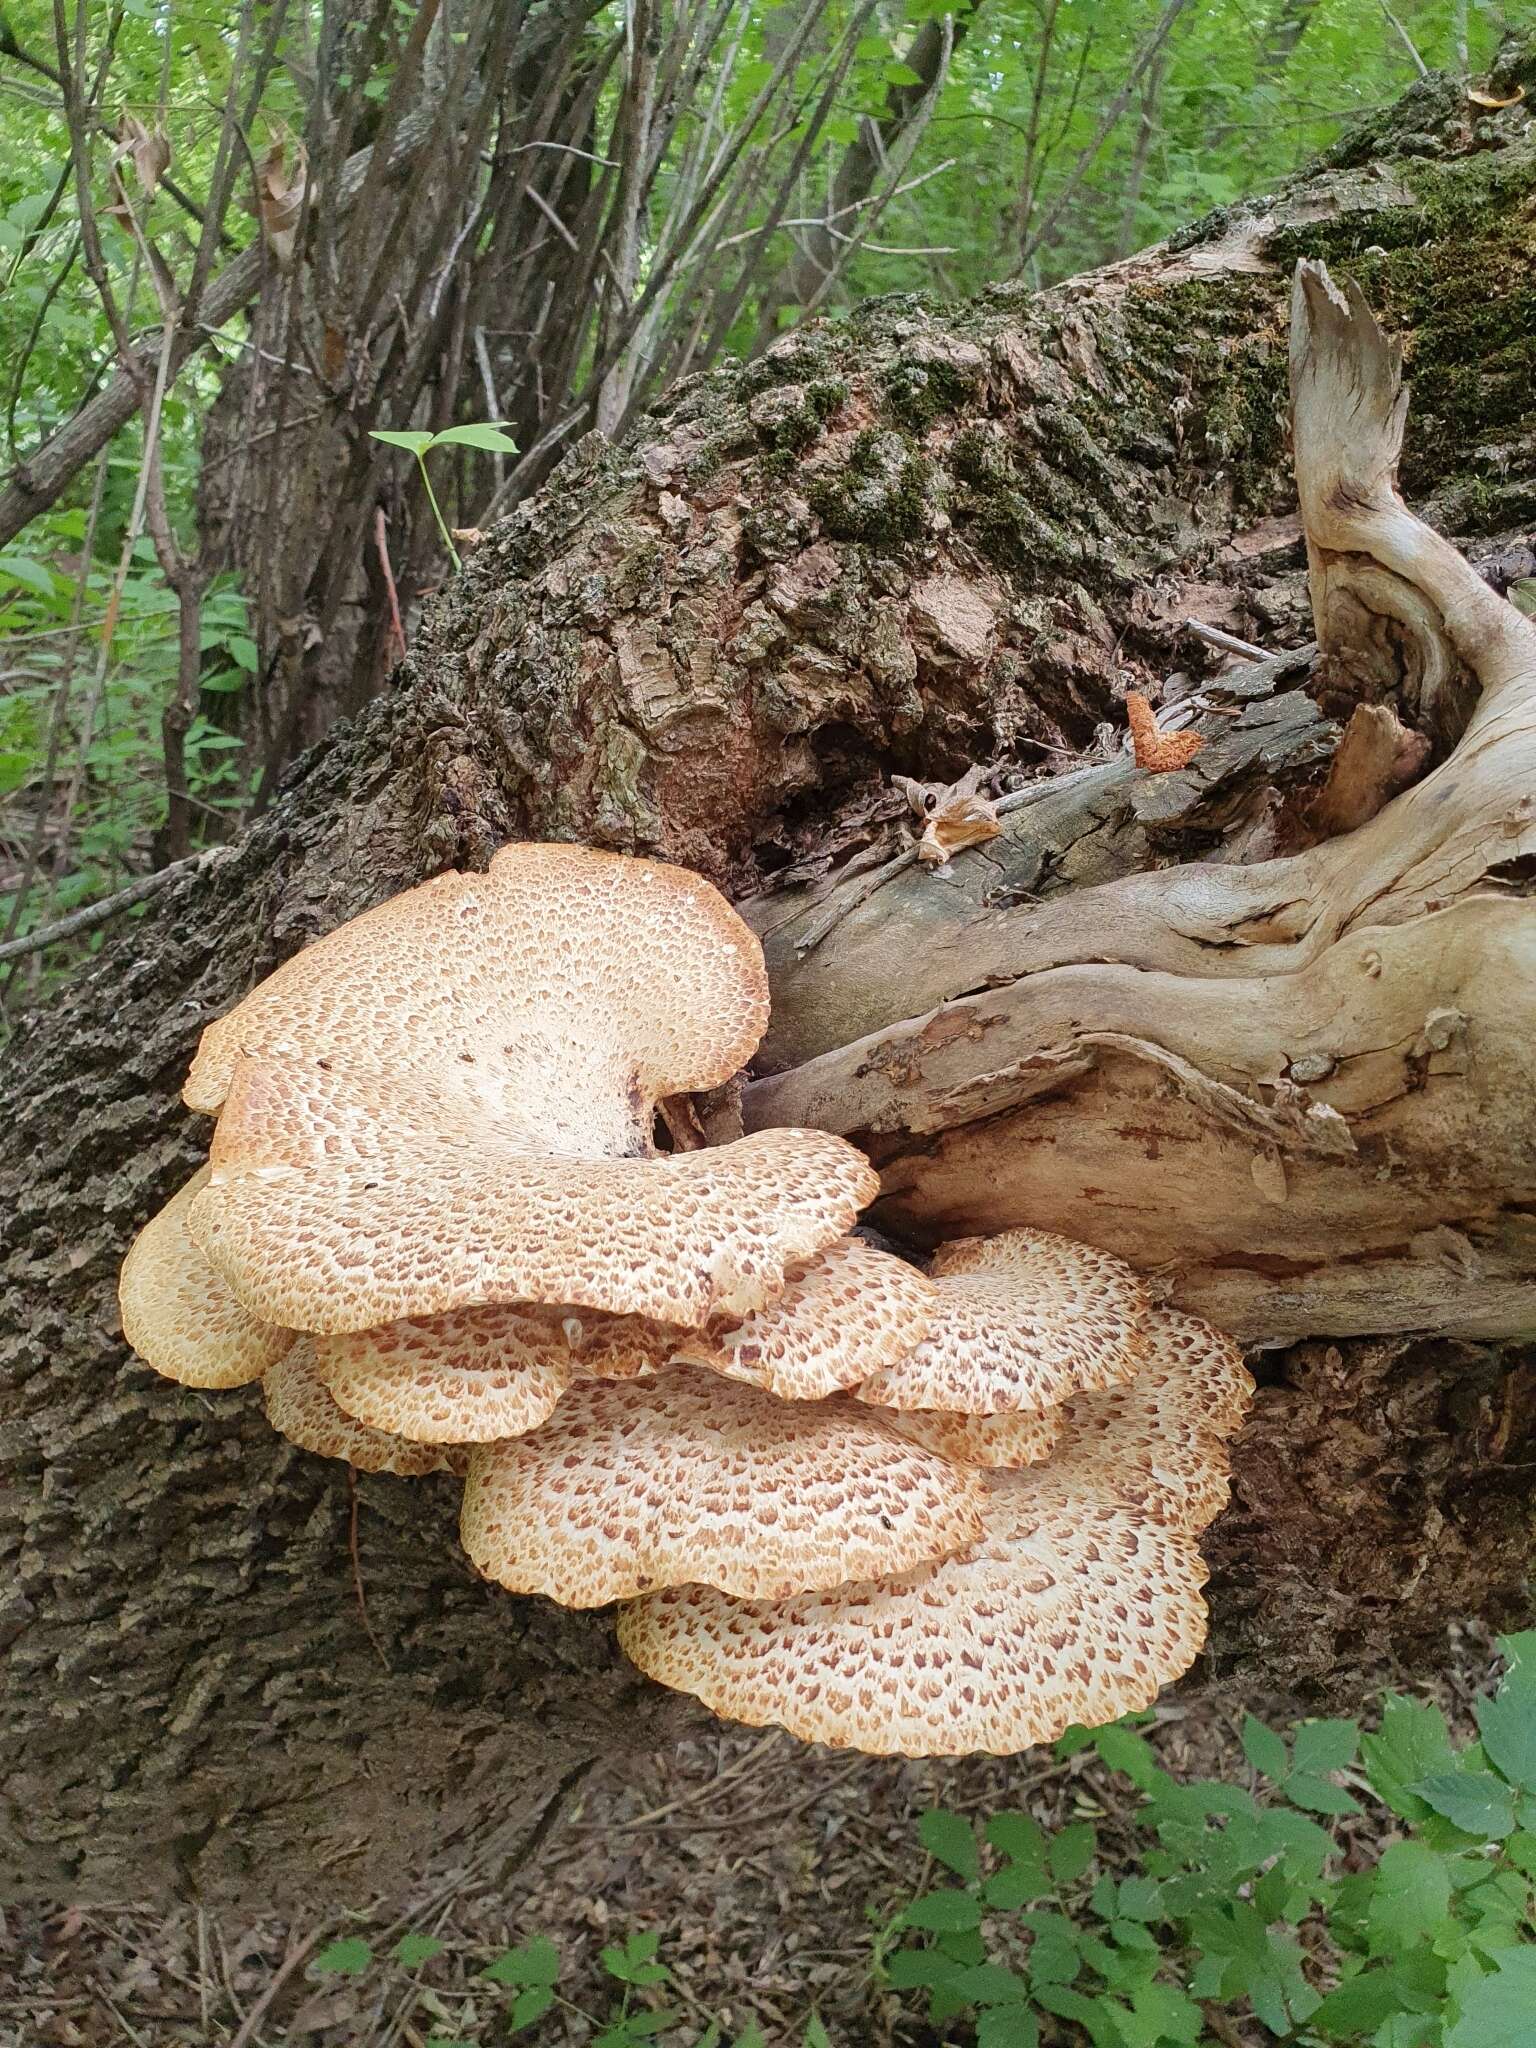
(1242, 1900)
(1227, 1913)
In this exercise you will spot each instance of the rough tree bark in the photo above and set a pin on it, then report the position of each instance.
(923, 540)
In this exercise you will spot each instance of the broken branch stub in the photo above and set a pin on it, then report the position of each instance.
(1301, 1092)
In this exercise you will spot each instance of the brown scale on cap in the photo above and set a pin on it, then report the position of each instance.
(992, 1442)
(478, 1374)
(643, 1483)
(1160, 1442)
(1067, 1610)
(181, 1316)
(300, 1408)
(1024, 1320)
(849, 1312)
(450, 1102)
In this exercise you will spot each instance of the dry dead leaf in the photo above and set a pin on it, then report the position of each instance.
(150, 149)
(954, 815)
(1488, 99)
(280, 198)
(1157, 752)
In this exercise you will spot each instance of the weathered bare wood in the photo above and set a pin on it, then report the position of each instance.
(1303, 1091)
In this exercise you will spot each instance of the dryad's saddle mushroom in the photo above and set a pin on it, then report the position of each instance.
(916, 1514)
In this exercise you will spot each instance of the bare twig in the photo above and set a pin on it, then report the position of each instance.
(1407, 40)
(357, 1568)
(279, 1978)
(1144, 58)
(382, 543)
(91, 914)
(1229, 643)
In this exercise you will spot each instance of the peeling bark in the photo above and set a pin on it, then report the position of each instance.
(921, 541)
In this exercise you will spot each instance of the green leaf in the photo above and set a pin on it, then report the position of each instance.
(1500, 2010)
(1071, 1851)
(950, 1841)
(1164, 2014)
(1475, 1801)
(902, 74)
(412, 1950)
(989, 1984)
(1518, 1650)
(919, 1969)
(1124, 1750)
(1318, 1795)
(529, 2005)
(1359, 2005)
(1507, 1725)
(1410, 1897)
(815, 2035)
(1264, 1749)
(1414, 1743)
(1015, 1885)
(1053, 1956)
(348, 1958)
(943, 1913)
(417, 443)
(479, 434)
(1324, 1745)
(1016, 1835)
(1007, 2026)
(34, 576)
(536, 1962)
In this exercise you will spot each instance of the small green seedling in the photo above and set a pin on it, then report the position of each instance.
(478, 434)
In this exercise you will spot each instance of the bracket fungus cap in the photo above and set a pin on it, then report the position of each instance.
(340, 1204)
(478, 1374)
(1023, 1321)
(300, 1408)
(1064, 1611)
(1160, 1441)
(1001, 1443)
(181, 1316)
(601, 967)
(634, 1484)
(844, 1315)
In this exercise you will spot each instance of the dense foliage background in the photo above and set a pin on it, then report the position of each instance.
(271, 231)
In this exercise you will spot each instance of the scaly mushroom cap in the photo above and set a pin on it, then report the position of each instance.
(1024, 1320)
(634, 1484)
(584, 985)
(1160, 1443)
(181, 1316)
(851, 1310)
(341, 1201)
(299, 1408)
(993, 1442)
(1067, 1610)
(477, 1374)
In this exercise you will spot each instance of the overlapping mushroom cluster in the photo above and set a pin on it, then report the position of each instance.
(921, 1514)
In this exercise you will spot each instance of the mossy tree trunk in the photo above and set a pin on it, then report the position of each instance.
(925, 539)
